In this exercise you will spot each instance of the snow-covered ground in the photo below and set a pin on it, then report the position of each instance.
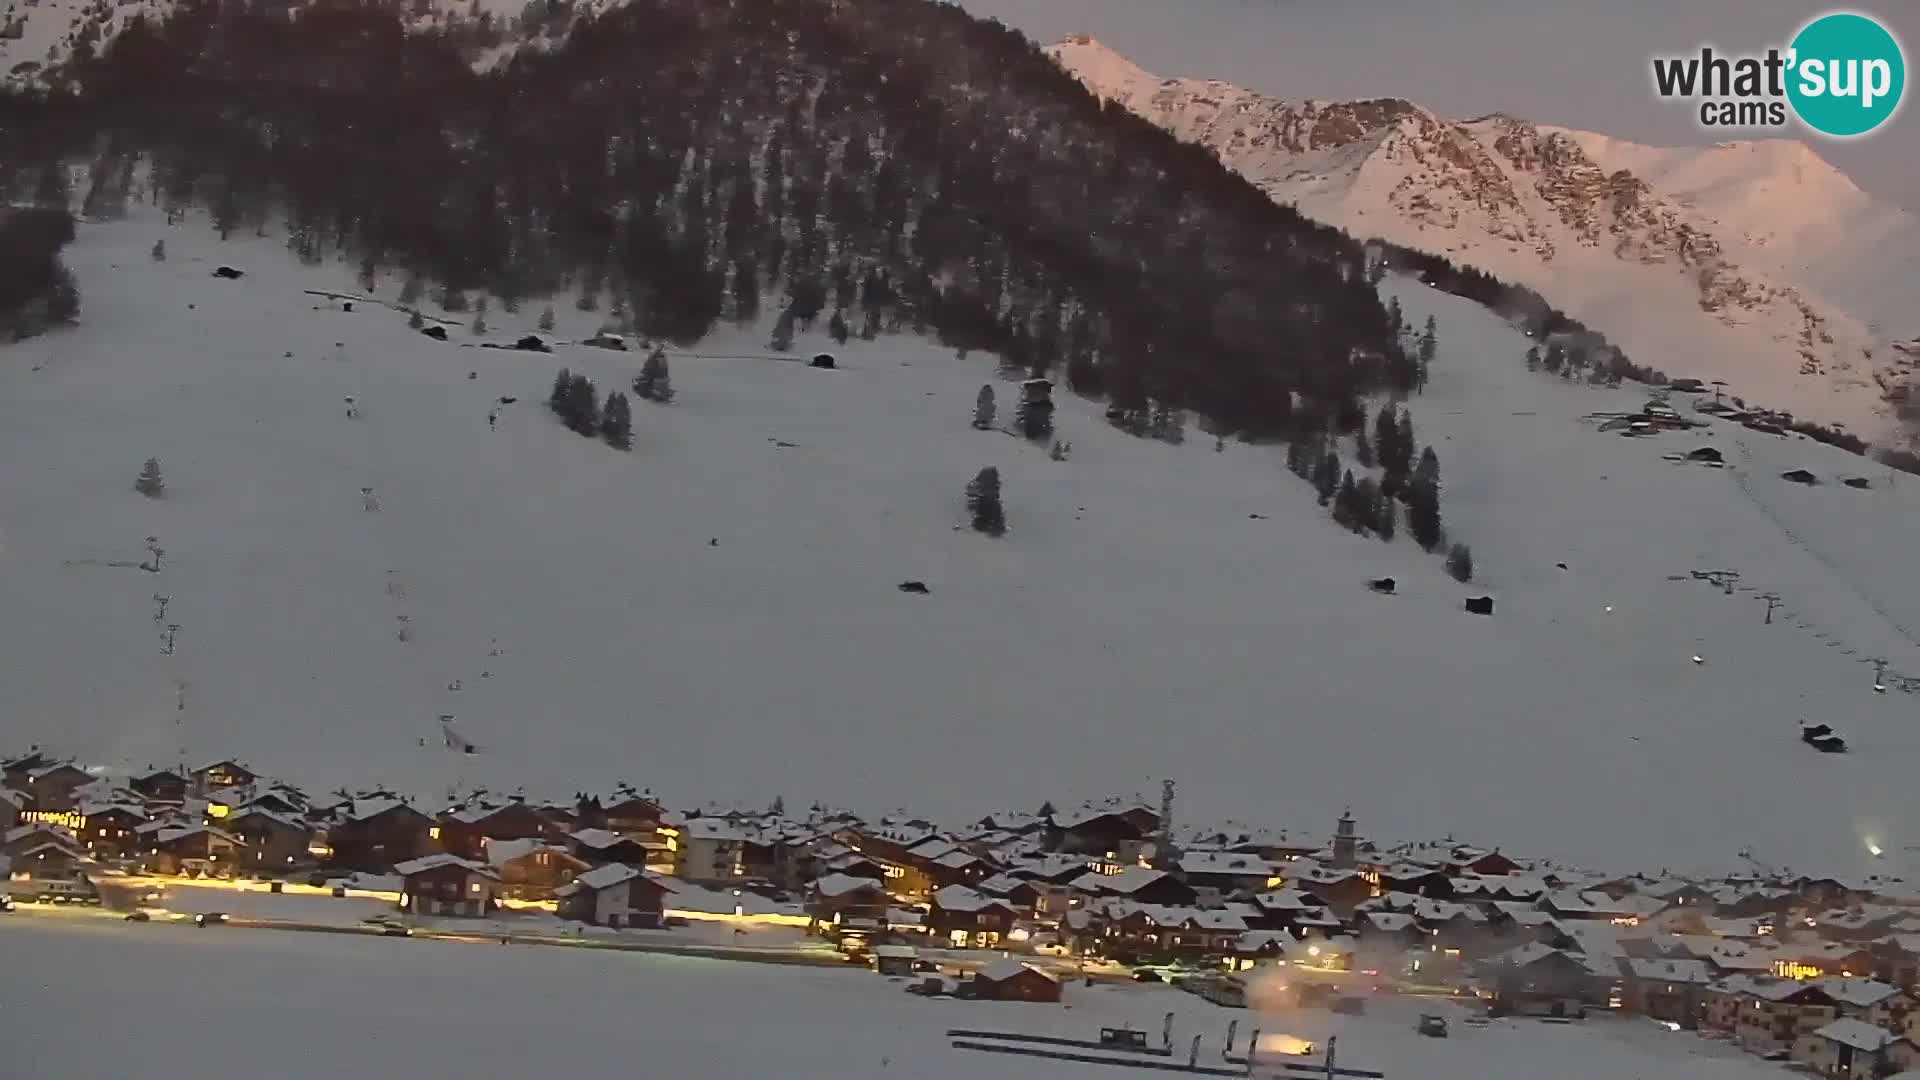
(716, 613)
(179, 1001)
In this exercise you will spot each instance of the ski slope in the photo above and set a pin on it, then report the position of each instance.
(715, 614)
(429, 1010)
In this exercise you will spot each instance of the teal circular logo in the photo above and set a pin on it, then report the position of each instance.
(1848, 75)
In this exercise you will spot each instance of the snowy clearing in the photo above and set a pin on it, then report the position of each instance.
(716, 614)
(301, 1005)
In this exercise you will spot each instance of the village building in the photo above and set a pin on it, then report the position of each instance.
(272, 840)
(1218, 874)
(709, 850)
(1853, 1050)
(1881, 1004)
(34, 854)
(616, 896)
(1774, 1014)
(190, 850)
(598, 847)
(10, 803)
(1140, 884)
(222, 774)
(53, 787)
(443, 884)
(1536, 980)
(1113, 832)
(107, 830)
(531, 868)
(964, 918)
(1011, 980)
(1673, 990)
(161, 785)
(838, 903)
(895, 959)
(465, 830)
(375, 834)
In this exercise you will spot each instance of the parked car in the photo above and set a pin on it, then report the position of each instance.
(1146, 975)
(1432, 1026)
(138, 916)
(396, 931)
(6, 903)
(210, 918)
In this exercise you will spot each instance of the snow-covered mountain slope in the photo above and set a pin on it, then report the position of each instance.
(1754, 262)
(717, 614)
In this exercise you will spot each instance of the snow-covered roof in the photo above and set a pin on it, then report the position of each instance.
(438, 860)
(961, 898)
(605, 877)
(1856, 1033)
(958, 860)
(999, 884)
(1288, 900)
(12, 798)
(1125, 883)
(711, 828)
(364, 809)
(1214, 919)
(502, 852)
(1006, 968)
(1691, 972)
(595, 838)
(1389, 921)
(1225, 862)
(169, 835)
(1861, 993)
(842, 884)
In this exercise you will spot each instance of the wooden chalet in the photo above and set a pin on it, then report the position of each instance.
(161, 785)
(273, 840)
(533, 869)
(444, 884)
(965, 917)
(191, 850)
(616, 896)
(222, 774)
(1011, 980)
(840, 902)
(374, 834)
(465, 830)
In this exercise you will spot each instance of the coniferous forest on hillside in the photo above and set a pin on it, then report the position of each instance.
(903, 165)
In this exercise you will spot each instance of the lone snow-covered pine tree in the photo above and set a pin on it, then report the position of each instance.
(616, 422)
(654, 383)
(149, 482)
(984, 408)
(983, 503)
(1460, 563)
(1423, 501)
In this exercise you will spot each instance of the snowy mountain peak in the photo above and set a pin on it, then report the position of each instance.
(1756, 262)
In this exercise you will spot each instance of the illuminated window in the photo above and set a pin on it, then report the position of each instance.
(433, 833)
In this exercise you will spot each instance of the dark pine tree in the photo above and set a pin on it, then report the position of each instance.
(1326, 475)
(1460, 563)
(983, 503)
(984, 408)
(616, 422)
(1363, 449)
(1423, 501)
(654, 383)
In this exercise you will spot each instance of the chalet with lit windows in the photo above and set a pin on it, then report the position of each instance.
(1469, 860)
(599, 847)
(1291, 910)
(838, 902)
(1669, 989)
(616, 896)
(1512, 888)
(625, 811)
(1140, 884)
(1217, 874)
(1536, 980)
(191, 850)
(967, 918)
(708, 849)
(55, 787)
(956, 866)
(162, 786)
(1773, 1014)
(1133, 932)
(444, 884)
(780, 854)
(1849, 1049)
(1590, 905)
(1341, 890)
(272, 840)
(1019, 893)
(15, 770)
(1115, 831)
(46, 854)
(1803, 959)
(222, 774)
(107, 831)
(1880, 1004)
(1418, 880)
(849, 862)
(1391, 929)
(465, 830)
(374, 834)
(533, 869)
